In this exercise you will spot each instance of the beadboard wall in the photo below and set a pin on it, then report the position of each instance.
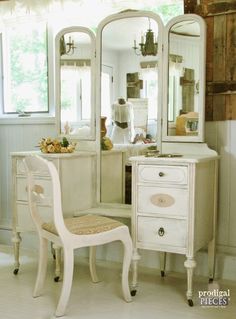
(220, 136)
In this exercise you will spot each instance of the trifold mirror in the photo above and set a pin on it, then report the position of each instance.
(149, 80)
(158, 71)
(75, 79)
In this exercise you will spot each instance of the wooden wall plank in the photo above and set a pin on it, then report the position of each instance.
(230, 109)
(219, 108)
(209, 108)
(219, 49)
(231, 48)
(209, 48)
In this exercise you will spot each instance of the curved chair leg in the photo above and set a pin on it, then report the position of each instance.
(92, 264)
(67, 282)
(128, 247)
(42, 266)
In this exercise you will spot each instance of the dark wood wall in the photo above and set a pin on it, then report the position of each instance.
(220, 17)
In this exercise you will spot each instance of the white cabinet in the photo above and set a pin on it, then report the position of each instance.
(77, 173)
(174, 208)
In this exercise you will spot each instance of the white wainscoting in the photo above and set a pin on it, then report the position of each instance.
(220, 136)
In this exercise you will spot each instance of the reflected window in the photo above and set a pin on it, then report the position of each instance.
(106, 92)
(150, 85)
(75, 91)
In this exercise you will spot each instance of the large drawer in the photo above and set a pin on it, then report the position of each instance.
(21, 189)
(168, 201)
(163, 174)
(162, 231)
(24, 220)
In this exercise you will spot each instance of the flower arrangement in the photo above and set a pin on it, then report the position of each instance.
(48, 145)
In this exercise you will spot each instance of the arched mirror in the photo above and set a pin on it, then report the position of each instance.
(75, 96)
(130, 51)
(183, 113)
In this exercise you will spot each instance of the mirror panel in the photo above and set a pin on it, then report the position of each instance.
(75, 87)
(129, 95)
(184, 114)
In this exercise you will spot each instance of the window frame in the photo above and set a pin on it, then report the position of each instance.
(50, 73)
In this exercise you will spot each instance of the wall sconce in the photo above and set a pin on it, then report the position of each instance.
(148, 44)
(67, 48)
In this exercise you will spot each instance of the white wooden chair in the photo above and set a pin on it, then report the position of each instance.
(70, 233)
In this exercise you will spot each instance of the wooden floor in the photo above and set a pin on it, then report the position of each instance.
(157, 298)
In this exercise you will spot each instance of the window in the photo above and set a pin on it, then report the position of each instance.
(25, 70)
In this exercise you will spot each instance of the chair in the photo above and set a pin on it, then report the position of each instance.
(69, 233)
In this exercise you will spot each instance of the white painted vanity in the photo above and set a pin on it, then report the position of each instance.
(174, 208)
(173, 197)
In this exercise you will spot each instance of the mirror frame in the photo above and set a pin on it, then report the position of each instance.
(114, 17)
(125, 15)
(202, 65)
(92, 135)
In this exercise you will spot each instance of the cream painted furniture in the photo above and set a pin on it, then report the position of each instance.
(174, 208)
(77, 176)
(69, 233)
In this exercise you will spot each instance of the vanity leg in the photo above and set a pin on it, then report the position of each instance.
(134, 284)
(162, 263)
(16, 239)
(57, 250)
(211, 260)
(190, 264)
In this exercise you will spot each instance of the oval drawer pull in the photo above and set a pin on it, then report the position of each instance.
(161, 231)
(161, 174)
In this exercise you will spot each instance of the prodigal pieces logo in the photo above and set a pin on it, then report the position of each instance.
(214, 296)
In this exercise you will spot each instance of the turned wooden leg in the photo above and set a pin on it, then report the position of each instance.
(162, 263)
(16, 239)
(57, 250)
(190, 264)
(134, 284)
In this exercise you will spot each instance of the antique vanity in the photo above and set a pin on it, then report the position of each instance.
(174, 182)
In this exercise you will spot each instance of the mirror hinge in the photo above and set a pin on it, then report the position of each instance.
(162, 47)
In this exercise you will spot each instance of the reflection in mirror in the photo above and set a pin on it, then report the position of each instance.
(129, 80)
(183, 90)
(75, 72)
(129, 95)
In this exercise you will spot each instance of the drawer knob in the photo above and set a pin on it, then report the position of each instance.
(161, 231)
(161, 174)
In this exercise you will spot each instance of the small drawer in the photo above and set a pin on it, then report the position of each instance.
(162, 231)
(21, 189)
(163, 174)
(21, 170)
(168, 201)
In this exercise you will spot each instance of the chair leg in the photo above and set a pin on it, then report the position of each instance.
(127, 242)
(42, 266)
(67, 282)
(92, 264)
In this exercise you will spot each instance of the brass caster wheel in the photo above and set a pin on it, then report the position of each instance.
(190, 302)
(133, 293)
(162, 273)
(56, 279)
(15, 271)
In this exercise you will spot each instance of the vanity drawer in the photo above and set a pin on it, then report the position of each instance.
(20, 167)
(168, 201)
(162, 231)
(163, 174)
(24, 219)
(21, 189)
